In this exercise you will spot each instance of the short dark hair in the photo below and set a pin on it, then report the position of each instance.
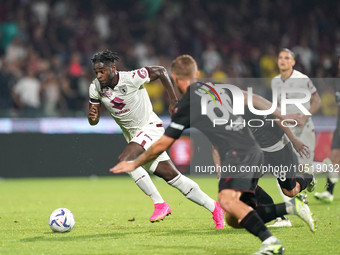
(289, 51)
(107, 57)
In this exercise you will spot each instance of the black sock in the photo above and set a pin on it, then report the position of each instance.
(304, 180)
(330, 186)
(271, 212)
(254, 224)
(262, 197)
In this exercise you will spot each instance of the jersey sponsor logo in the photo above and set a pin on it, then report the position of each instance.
(123, 89)
(142, 73)
(108, 93)
(117, 103)
(123, 111)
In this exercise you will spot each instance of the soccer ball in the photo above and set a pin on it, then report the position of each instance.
(61, 220)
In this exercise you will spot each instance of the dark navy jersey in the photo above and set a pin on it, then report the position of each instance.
(266, 132)
(230, 134)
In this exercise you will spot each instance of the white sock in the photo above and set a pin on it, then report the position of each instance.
(270, 240)
(284, 197)
(143, 181)
(192, 191)
(290, 208)
(333, 176)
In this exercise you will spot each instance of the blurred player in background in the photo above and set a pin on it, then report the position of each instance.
(125, 97)
(290, 78)
(333, 173)
(234, 146)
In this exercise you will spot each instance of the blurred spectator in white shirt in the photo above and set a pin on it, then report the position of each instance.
(211, 58)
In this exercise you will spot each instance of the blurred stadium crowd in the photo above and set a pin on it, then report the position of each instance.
(46, 45)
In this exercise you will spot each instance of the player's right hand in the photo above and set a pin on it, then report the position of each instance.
(301, 148)
(123, 167)
(93, 113)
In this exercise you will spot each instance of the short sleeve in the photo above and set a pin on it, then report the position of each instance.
(311, 87)
(94, 94)
(140, 76)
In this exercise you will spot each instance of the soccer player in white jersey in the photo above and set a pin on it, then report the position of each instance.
(125, 97)
(290, 78)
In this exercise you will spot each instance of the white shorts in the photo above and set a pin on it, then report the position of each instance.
(307, 135)
(145, 138)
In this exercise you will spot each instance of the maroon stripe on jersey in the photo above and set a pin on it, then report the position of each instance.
(148, 136)
(139, 133)
(159, 125)
(148, 69)
(227, 179)
(118, 100)
(143, 143)
(314, 93)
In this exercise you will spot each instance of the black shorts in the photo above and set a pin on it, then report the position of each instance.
(283, 164)
(242, 180)
(336, 139)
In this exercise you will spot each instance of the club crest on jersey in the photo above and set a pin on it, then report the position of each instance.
(123, 89)
(142, 73)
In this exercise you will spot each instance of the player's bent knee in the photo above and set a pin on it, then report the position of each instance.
(166, 171)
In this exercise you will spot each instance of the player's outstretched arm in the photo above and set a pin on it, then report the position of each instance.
(159, 72)
(298, 145)
(94, 114)
(153, 152)
(263, 104)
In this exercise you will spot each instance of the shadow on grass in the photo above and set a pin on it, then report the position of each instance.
(65, 237)
(68, 237)
(189, 249)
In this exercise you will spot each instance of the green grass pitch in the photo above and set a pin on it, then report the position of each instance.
(112, 215)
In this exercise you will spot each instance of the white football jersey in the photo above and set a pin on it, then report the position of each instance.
(296, 80)
(128, 103)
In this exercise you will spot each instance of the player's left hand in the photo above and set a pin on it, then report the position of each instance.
(123, 167)
(292, 116)
(301, 148)
(172, 107)
(302, 120)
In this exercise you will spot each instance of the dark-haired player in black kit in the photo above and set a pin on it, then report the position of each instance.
(236, 147)
(279, 157)
(333, 173)
(126, 99)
